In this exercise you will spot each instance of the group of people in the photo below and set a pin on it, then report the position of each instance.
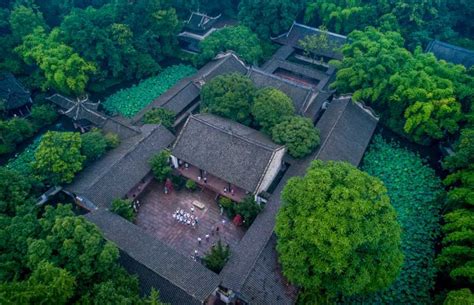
(184, 217)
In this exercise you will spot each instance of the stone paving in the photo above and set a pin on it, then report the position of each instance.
(155, 217)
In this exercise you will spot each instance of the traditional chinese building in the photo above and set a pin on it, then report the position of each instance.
(16, 99)
(451, 53)
(227, 157)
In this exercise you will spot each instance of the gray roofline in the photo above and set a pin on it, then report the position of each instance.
(267, 166)
(306, 27)
(448, 45)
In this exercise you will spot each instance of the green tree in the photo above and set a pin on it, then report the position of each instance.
(271, 107)
(12, 132)
(24, 20)
(337, 232)
(46, 285)
(153, 298)
(457, 257)
(160, 165)
(239, 39)
(459, 297)
(269, 18)
(313, 45)
(161, 116)
(217, 257)
(124, 208)
(42, 115)
(93, 145)
(63, 69)
(229, 96)
(248, 209)
(58, 157)
(14, 191)
(298, 134)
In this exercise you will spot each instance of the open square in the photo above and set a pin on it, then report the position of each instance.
(155, 216)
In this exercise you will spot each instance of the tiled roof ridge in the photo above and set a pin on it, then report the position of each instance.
(127, 152)
(295, 23)
(224, 56)
(244, 138)
(288, 81)
(448, 45)
(333, 125)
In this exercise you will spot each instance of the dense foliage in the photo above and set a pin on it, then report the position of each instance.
(239, 39)
(124, 208)
(271, 17)
(416, 94)
(217, 257)
(298, 134)
(337, 232)
(24, 161)
(160, 165)
(414, 191)
(229, 96)
(130, 101)
(58, 157)
(93, 145)
(271, 107)
(160, 116)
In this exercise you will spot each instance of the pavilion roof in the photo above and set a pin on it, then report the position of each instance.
(13, 92)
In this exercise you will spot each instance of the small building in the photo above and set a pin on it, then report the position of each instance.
(451, 53)
(196, 28)
(16, 99)
(299, 31)
(229, 158)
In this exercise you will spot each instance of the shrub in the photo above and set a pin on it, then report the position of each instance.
(130, 101)
(178, 181)
(248, 209)
(298, 134)
(414, 190)
(14, 131)
(124, 208)
(161, 116)
(271, 107)
(43, 115)
(217, 257)
(191, 185)
(93, 145)
(160, 165)
(112, 140)
(229, 96)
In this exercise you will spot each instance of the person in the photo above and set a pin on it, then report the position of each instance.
(217, 229)
(205, 179)
(199, 240)
(196, 220)
(207, 237)
(192, 210)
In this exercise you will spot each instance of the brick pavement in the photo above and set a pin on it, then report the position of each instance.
(155, 217)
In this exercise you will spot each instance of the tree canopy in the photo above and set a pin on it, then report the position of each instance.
(239, 39)
(229, 96)
(298, 134)
(58, 157)
(271, 107)
(337, 232)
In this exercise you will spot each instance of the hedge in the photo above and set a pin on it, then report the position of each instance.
(415, 192)
(128, 102)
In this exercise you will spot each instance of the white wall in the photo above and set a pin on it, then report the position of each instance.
(272, 170)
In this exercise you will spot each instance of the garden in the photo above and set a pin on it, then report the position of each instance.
(128, 102)
(416, 193)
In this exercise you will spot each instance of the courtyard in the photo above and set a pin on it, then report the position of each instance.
(156, 212)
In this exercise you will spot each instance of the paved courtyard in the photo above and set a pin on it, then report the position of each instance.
(156, 217)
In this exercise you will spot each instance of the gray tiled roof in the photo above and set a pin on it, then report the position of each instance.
(226, 149)
(14, 94)
(265, 284)
(193, 283)
(299, 94)
(119, 170)
(199, 22)
(224, 63)
(346, 129)
(299, 31)
(451, 53)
